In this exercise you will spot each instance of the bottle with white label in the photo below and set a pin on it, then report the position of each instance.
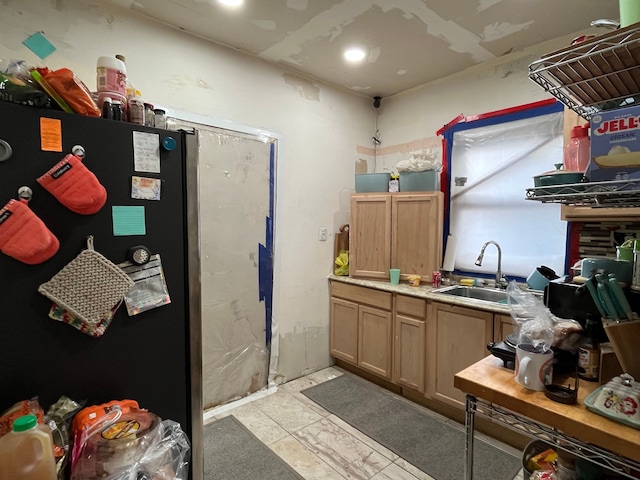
(136, 111)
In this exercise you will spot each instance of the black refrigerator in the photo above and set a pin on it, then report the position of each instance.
(152, 357)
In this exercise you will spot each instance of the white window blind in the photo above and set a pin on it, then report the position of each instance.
(499, 162)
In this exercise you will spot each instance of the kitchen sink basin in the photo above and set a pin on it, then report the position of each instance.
(477, 293)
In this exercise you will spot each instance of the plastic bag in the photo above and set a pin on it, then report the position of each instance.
(72, 90)
(420, 161)
(14, 90)
(119, 441)
(533, 318)
(167, 459)
(342, 264)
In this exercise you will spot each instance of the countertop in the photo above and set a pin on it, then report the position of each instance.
(424, 291)
(490, 381)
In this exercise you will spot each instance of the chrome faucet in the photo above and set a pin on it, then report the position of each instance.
(499, 280)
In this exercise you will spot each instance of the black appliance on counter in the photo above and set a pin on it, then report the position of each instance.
(564, 299)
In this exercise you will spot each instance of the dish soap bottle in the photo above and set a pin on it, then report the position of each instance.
(26, 452)
(577, 152)
(589, 352)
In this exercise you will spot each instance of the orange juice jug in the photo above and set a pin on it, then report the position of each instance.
(26, 453)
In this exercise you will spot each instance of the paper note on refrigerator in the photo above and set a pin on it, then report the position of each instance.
(146, 152)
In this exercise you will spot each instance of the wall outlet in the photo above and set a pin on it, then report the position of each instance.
(322, 234)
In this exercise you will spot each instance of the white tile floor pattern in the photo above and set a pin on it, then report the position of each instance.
(316, 443)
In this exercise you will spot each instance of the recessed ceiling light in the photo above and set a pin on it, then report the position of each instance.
(231, 3)
(354, 54)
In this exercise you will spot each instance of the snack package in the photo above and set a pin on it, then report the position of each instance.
(72, 90)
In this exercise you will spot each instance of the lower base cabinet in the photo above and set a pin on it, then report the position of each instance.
(410, 342)
(414, 343)
(361, 327)
(457, 338)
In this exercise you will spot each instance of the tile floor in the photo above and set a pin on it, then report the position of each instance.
(316, 443)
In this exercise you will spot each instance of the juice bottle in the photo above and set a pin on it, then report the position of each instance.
(26, 453)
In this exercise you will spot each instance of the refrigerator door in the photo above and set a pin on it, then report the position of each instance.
(145, 357)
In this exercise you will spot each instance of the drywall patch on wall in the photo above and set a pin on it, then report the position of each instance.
(484, 4)
(459, 39)
(497, 30)
(298, 4)
(331, 20)
(264, 24)
(304, 87)
(386, 159)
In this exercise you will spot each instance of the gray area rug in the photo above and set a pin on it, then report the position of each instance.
(232, 452)
(409, 431)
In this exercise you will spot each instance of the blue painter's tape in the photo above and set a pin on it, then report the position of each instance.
(265, 254)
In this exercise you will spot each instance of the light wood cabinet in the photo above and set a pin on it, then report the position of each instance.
(361, 327)
(457, 338)
(395, 230)
(410, 342)
(502, 326)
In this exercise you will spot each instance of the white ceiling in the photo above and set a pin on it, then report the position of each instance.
(409, 42)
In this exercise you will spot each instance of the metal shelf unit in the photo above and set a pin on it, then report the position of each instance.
(616, 193)
(605, 458)
(600, 74)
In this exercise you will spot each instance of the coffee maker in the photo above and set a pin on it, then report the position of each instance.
(566, 300)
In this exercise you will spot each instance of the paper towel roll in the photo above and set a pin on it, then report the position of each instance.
(449, 254)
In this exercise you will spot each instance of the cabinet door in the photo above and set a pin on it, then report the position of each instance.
(409, 337)
(375, 340)
(343, 330)
(370, 236)
(416, 226)
(502, 326)
(457, 338)
(409, 352)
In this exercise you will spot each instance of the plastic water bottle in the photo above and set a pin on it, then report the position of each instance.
(26, 453)
(578, 151)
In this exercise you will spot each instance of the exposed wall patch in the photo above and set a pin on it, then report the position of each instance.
(401, 72)
(298, 4)
(501, 30)
(304, 87)
(484, 4)
(459, 39)
(374, 54)
(264, 24)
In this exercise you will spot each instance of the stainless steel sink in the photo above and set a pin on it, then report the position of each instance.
(477, 293)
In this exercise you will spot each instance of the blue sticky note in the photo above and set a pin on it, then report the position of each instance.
(39, 45)
(128, 220)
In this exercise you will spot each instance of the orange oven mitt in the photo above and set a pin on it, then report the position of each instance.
(24, 236)
(75, 186)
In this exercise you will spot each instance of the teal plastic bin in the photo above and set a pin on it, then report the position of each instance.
(372, 182)
(428, 181)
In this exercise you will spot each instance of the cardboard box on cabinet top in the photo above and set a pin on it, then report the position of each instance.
(615, 145)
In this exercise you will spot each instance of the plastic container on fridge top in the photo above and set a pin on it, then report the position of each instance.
(111, 75)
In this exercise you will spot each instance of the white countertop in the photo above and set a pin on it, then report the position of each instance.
(424, 291)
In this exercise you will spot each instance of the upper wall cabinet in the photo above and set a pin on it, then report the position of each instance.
(395, 230)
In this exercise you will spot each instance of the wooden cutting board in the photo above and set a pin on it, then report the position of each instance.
(341, 241)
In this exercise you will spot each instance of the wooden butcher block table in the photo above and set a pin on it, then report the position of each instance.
(492, 392)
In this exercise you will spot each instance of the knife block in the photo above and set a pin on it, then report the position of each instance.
(625, 338)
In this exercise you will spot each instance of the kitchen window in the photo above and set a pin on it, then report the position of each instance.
(492, 159)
